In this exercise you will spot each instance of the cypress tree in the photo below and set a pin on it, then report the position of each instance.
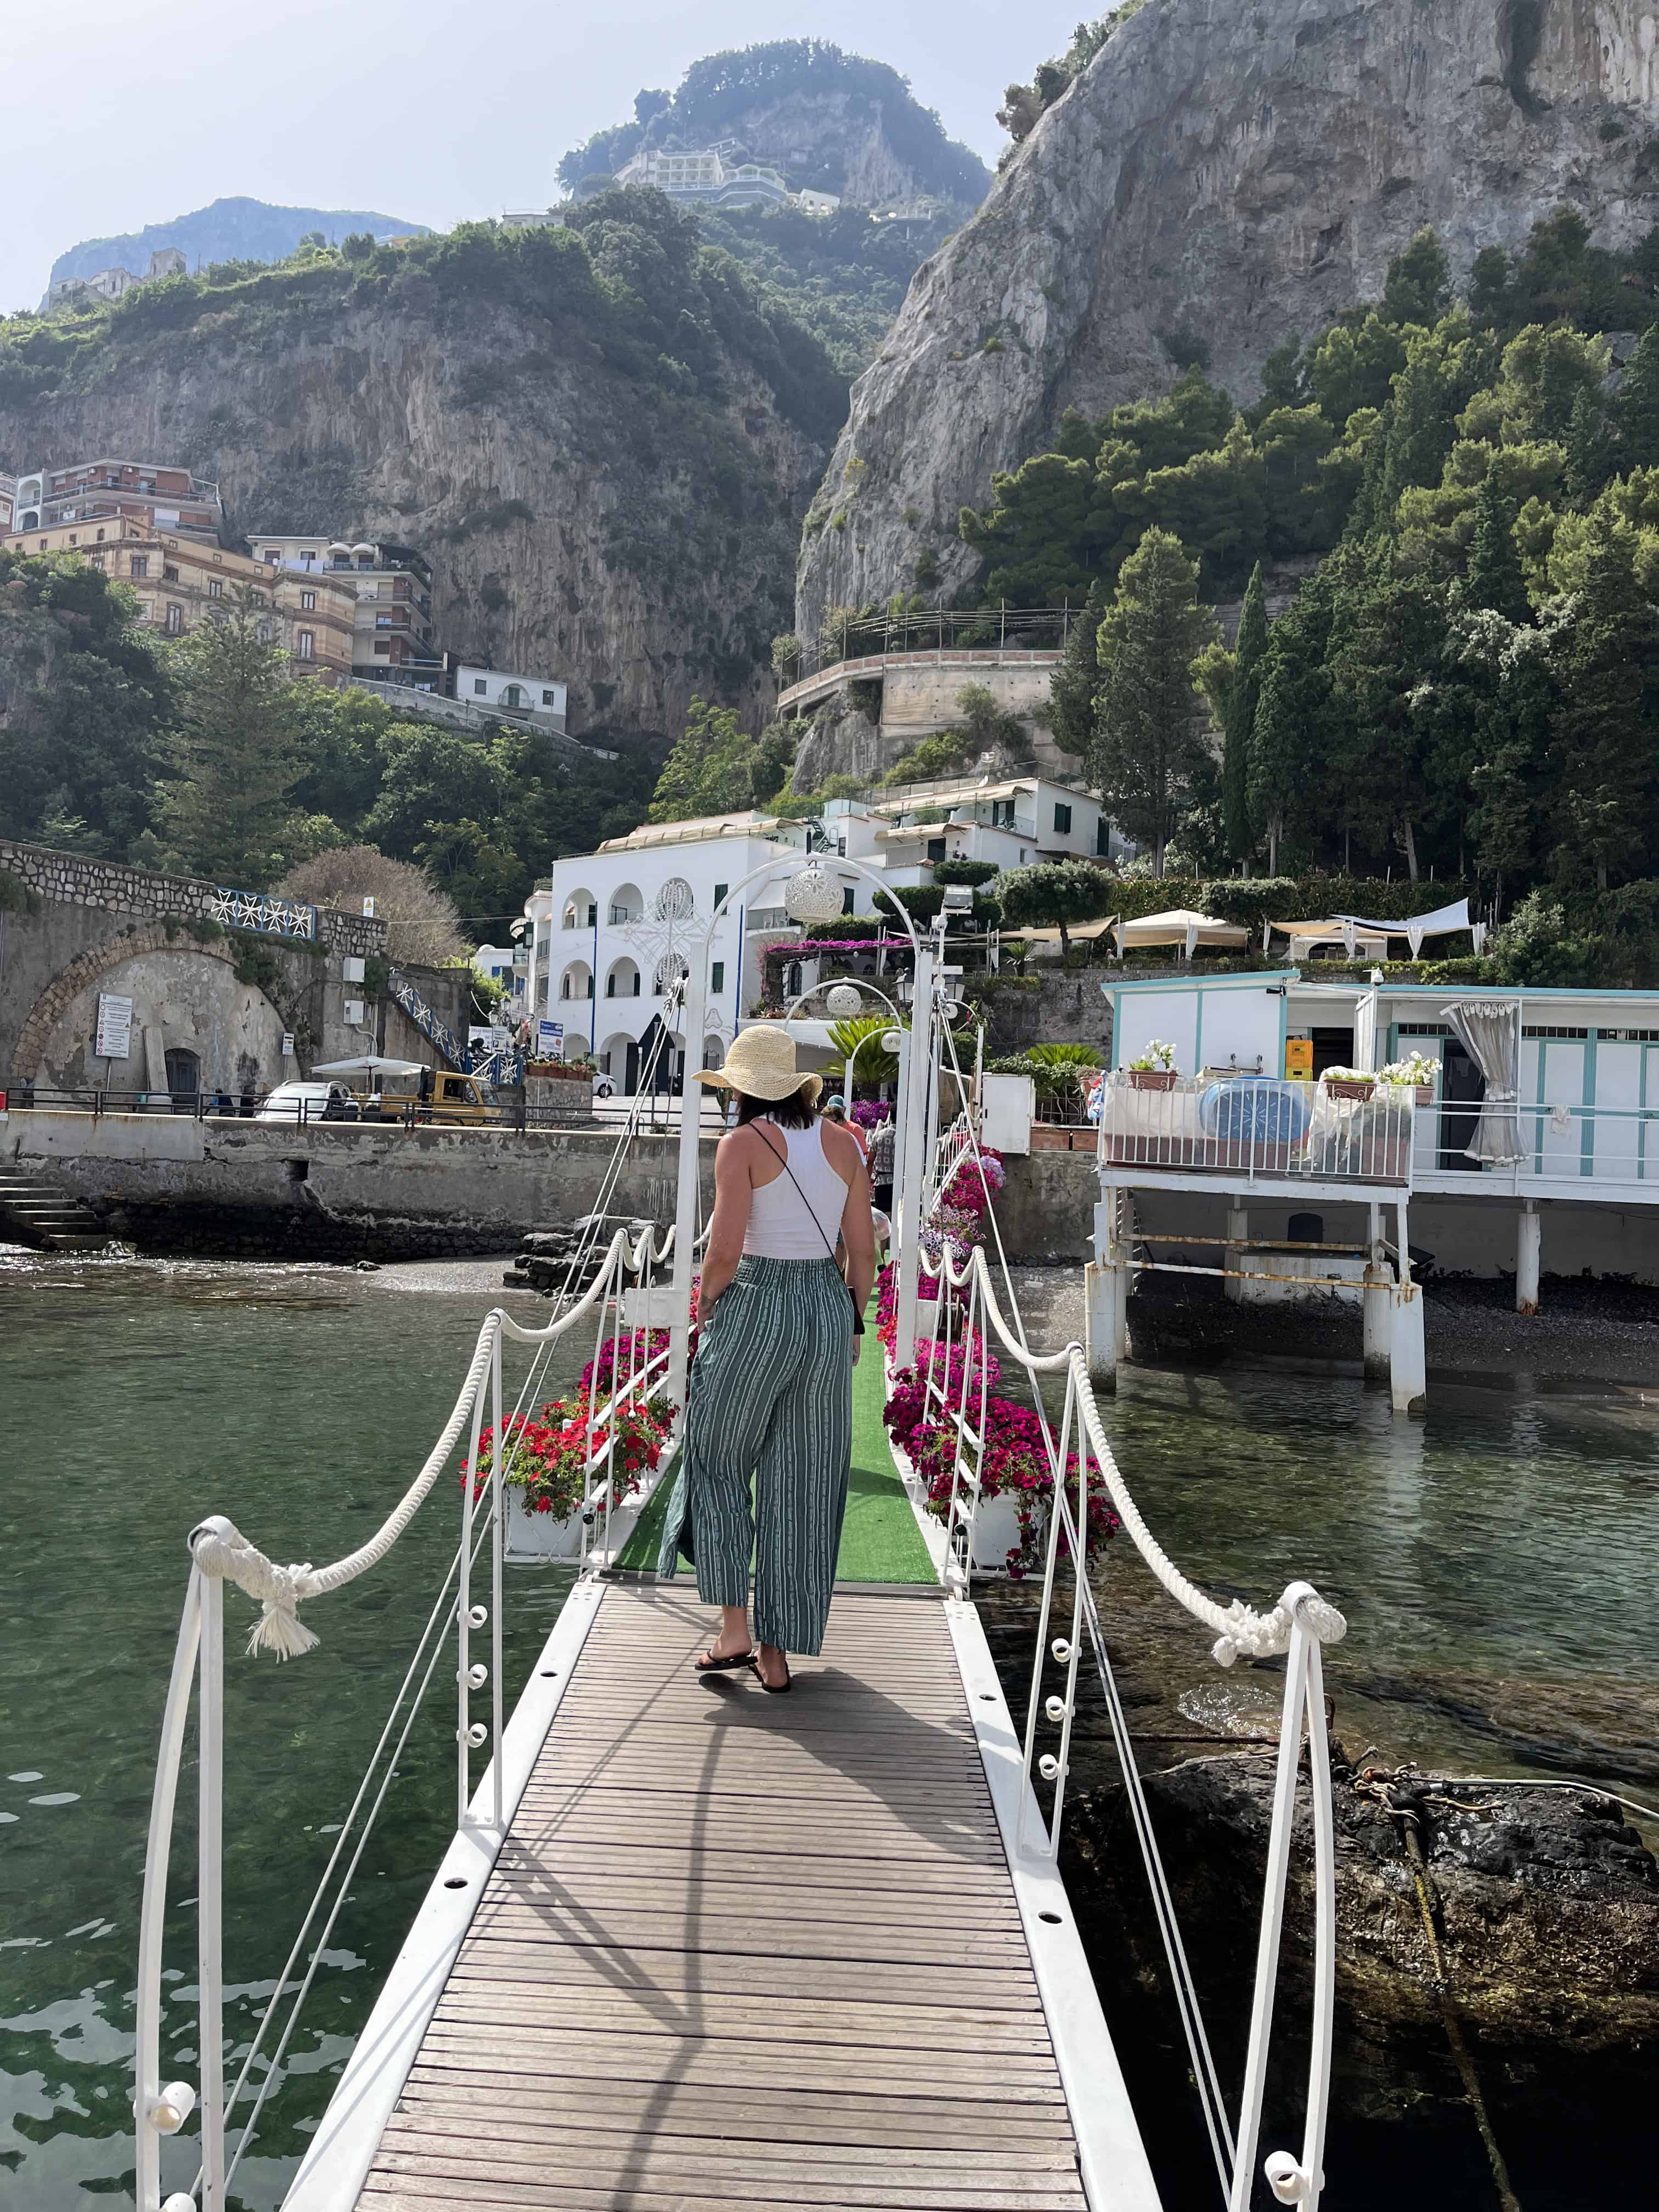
(1604, 736)
(1149, 743)
(1592, 457)
(1494, 578)
(1637, 405)
(1240, 715)
(1076, 684)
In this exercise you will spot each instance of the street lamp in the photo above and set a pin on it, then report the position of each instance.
(813, 894)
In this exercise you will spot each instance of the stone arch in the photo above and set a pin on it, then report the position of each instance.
(86, 968)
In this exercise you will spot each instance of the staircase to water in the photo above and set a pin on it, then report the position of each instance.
(36, 1212)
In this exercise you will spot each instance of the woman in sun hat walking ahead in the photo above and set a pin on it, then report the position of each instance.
(770, 1400)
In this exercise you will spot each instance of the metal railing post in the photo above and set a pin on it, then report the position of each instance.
(209, 1892)
(497, 1541)
(152, 1917)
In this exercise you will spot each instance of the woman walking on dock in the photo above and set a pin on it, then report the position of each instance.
(769, 1398)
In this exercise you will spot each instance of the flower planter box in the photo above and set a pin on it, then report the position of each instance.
(1343, 1086)
(1048, 1137)
(1153, 1078)
(540, 1535)
(996, 1533)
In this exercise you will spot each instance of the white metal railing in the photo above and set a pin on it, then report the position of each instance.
(1082, 1468)
(220, 1554)
(1258, 1126)
(1561, 1140)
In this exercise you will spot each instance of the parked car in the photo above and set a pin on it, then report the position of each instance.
(603, 1087)
(300, 1103)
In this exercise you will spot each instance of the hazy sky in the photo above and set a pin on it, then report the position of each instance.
(129, 111)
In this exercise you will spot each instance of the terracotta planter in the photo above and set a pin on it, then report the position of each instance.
(1343, 1086)
(1151, 1079)
(1425, 1093)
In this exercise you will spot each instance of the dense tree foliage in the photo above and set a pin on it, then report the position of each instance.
(205, 758)
(718, 767)
(1150, 759)
(1466, 685)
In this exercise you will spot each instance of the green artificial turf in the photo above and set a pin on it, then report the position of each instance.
(880, 1542)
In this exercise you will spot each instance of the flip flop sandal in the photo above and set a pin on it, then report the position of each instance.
(772, 1689)
(707, 1665)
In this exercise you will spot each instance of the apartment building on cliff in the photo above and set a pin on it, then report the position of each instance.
(179, 582)
(152, 492)
(393, 641)
(114, 283)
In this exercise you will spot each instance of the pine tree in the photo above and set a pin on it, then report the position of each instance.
(1637, 405)
(1592, 455)
(1252, 644)
(1604, 740)
(1076, 684)
(1494, 578)
(235, 749)
(1149, 743)
(1419, 287)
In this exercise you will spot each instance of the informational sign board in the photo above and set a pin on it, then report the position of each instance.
(368, 908)
(287, 1044)
(1298, 1059)
(114, 1038)
(550, 1035)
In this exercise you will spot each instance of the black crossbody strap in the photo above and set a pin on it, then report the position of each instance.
(782, 1160)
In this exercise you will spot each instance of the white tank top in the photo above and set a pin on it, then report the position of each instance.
(782, 1217)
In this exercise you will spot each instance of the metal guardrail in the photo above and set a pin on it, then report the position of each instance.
(939, 629)
(264, 912)
(1515, 1145)
(1257, 1125)
(425, 1020)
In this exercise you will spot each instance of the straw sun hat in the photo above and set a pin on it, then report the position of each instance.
(761, 1065)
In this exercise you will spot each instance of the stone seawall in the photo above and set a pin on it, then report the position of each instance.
(169, 1183)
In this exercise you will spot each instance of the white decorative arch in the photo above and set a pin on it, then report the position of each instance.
(580, 911)
(673, 967)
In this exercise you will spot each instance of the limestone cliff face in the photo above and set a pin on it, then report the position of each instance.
(1226, 174)
(580, 525)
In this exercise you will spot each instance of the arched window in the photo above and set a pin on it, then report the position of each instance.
(623, 981)
(577, 981)
(513, 696)
(581, 910)
(627, 905)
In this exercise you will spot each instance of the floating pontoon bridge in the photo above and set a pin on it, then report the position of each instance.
(693, 1947)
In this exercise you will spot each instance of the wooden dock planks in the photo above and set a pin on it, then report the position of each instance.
(743, 1950)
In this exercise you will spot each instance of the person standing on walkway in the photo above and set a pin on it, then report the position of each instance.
(769, 1400)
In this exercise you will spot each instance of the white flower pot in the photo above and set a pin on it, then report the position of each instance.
(996, 1532)
(540, 1535)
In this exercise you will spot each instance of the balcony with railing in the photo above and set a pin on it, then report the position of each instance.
(1535, 1149)
(1201, 1132)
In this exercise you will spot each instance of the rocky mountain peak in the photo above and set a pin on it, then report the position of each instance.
(1214, 180)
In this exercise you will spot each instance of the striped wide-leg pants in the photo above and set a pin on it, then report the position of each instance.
(770, 1403)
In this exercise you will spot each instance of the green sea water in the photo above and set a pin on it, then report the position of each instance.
(1499, 1564)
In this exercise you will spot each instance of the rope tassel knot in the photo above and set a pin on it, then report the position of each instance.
(221, 1550)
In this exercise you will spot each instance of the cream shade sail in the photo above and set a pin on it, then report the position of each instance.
(1180, 926)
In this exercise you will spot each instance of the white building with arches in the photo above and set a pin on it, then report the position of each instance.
(609, 932)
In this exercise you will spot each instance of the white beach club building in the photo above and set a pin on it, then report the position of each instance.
(609, 933)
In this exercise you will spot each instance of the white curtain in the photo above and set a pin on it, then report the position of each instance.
(1489, 1030)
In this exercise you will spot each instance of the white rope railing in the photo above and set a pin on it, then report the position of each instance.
(220, 1554)
(1080, 1457)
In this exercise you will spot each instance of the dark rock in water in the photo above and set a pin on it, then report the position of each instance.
(1545, 1903)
